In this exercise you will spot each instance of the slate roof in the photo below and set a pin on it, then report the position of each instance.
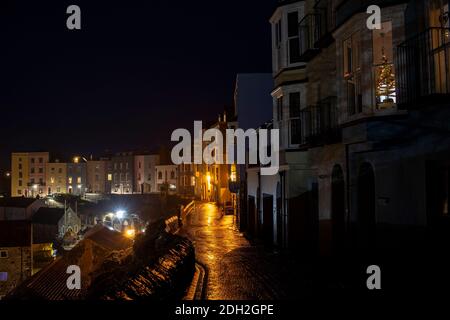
(15, 233)
(51, 282)
(49, 216)
(17, 202)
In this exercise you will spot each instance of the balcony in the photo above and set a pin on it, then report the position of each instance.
(314, 34)
(322, 24)
(36, 184)
(320, 123)
(308, 37)
(424, 69)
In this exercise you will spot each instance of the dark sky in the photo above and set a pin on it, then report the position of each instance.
(136, 71)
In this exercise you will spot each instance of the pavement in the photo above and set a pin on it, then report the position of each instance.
(235, 269)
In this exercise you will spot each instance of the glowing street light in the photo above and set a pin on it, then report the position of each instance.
(130, 233)
(120, 214)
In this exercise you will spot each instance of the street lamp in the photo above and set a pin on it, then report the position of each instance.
(120, 214)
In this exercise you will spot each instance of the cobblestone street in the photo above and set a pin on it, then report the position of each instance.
(236, 269)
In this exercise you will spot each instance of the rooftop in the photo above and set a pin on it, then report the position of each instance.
(15, 233)
(50, 216)
(89, 254)
(17, 202)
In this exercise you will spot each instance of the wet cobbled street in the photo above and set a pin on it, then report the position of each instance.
(236, 269)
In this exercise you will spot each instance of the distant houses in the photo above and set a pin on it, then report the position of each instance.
(38, 174)
(30, 233)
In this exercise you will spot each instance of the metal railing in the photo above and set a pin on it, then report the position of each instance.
(320, 123)
(308, 36)
(424, 68)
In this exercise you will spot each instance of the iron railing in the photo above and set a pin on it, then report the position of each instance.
(320, 123)
(323, 24)
(423, 74)
(308, 36)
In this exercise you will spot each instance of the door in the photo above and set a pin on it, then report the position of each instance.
(366, 206)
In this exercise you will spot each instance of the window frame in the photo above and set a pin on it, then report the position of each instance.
(4, 251)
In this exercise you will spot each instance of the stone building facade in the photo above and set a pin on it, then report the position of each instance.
(361, 113)
(16, 256)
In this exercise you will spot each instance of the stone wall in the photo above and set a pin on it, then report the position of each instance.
(18, 265)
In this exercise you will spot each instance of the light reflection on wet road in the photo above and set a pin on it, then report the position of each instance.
(237, 270)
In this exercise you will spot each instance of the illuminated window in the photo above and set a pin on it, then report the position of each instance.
(70, 180)
(383, 66)
(109, 177)
(3, 276)
(52, 180)
(79, 180)
(233, 174)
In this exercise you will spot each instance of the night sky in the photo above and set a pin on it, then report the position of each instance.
(136, 71)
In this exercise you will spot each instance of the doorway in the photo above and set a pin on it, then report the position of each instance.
(338, 233)
(366, 206)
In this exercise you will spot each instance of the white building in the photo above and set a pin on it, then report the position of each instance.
(145, 171)
(279, 205)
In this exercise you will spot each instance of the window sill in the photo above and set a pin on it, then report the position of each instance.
(376, 113)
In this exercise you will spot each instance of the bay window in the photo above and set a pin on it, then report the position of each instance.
(352, 73)
(294, 116)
